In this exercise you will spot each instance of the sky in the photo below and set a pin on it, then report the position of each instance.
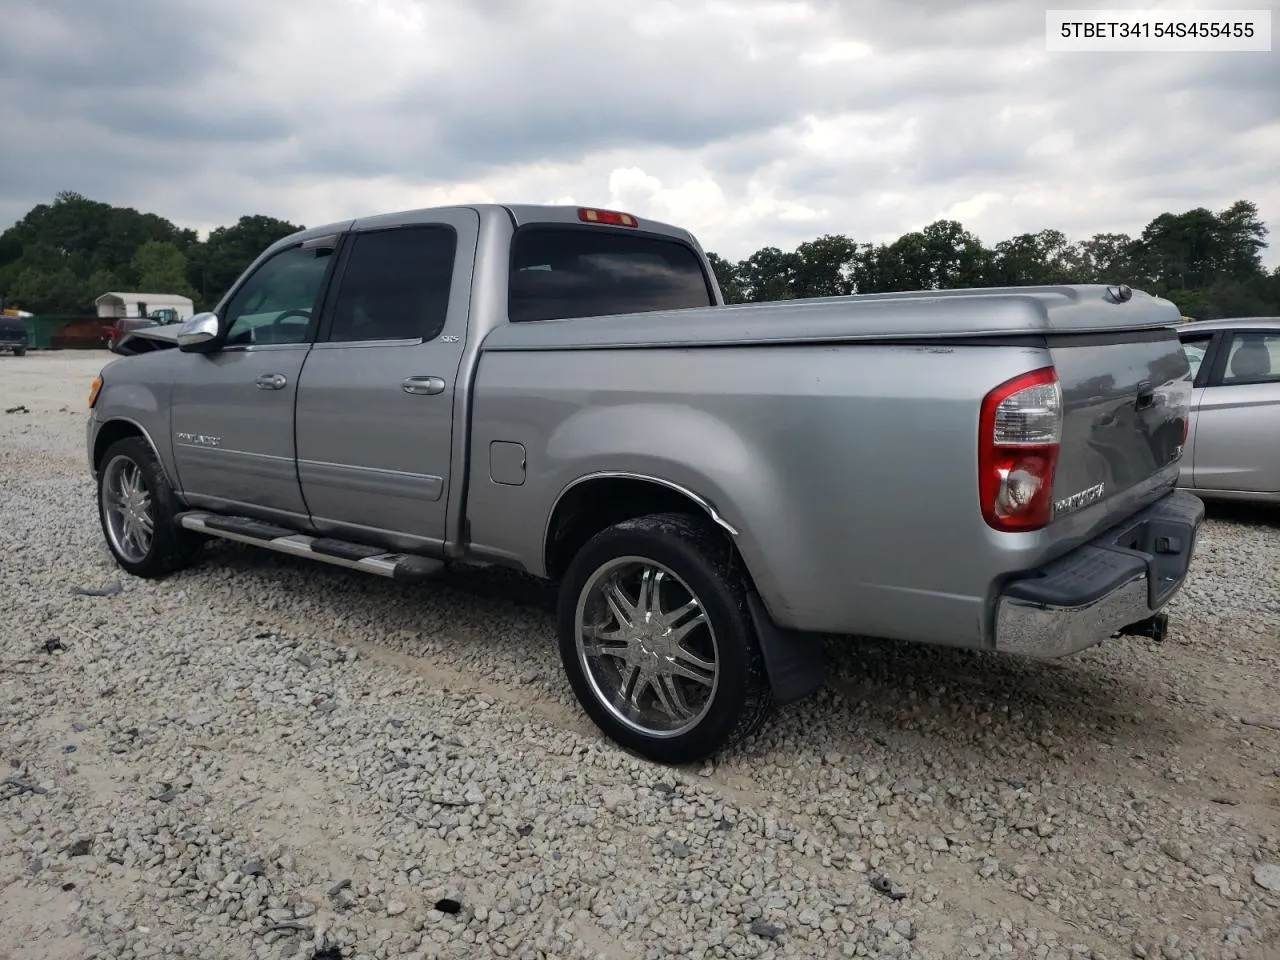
(751, 122)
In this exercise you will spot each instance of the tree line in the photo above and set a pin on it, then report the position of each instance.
(1209, 264)
(61, 256)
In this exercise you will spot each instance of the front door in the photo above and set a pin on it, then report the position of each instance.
(1238, 417)
(375, 401)
(232, 409)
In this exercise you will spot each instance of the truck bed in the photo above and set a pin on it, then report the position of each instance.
(929, 317)
(848, 459)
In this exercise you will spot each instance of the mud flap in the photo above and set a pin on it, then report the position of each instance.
(794, 661)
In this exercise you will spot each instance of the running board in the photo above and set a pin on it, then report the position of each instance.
(340, 553)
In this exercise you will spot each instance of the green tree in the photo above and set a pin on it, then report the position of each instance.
(1179, 251)
(71, 224)
(100, 282)
(1242, 236)
(826, 267)
(941, 256)
(219, 261)
(727, 277)
(127, 231)
(90, 234)
(1103, 258)
(40, 292)
(1035, 258)
(160, 267)
(769, 274)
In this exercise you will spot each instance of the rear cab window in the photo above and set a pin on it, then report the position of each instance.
(564, 271)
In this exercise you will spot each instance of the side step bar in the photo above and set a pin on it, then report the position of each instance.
(341, 553)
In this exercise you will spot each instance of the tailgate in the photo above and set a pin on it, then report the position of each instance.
(1125, 399)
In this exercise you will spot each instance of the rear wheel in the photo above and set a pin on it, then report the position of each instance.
(657, 642)
(19, 351)
(137, 508)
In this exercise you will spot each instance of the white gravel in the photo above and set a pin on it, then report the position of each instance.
(265, 758)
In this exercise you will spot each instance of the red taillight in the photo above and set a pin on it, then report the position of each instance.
(1019, 434)
(609, 217)
(1186, 429)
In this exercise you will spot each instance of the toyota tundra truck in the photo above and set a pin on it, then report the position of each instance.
(713, 489)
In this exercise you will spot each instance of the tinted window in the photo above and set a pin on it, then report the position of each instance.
(1253, 358)
(274, 304)
(395, 285)
(561, 272)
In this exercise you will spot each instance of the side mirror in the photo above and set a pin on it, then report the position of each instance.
(196, 334)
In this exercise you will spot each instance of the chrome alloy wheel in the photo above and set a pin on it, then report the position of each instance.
(647, 647)
(128, 509)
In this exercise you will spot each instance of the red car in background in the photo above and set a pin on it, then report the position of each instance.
(156, 318)
(85, 332)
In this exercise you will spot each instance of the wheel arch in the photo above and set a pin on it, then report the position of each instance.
(598, 500)
(121, 428)
(794, 662)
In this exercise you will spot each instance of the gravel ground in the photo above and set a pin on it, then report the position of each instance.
(266, 758)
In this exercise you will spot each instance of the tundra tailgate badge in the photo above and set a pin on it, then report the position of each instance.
(1079, 500)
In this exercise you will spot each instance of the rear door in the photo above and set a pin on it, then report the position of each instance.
(1238, 420)
(232, 410)
(375, 401)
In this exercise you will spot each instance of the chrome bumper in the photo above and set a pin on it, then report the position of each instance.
(1125, 576)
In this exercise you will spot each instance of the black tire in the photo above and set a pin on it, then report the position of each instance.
(171, 547)
(19, 351)
(705, 567)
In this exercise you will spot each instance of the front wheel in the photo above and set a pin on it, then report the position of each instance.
(137, 509)
(657, 642)
(19, 351)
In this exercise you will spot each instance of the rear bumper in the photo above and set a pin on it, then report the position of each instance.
(1127, 575)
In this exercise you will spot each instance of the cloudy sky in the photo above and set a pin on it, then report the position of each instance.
(750, 122)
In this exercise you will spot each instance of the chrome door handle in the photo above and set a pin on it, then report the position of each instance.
(272, 381)
(422, 386)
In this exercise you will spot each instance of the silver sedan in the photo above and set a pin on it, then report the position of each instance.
(1233, 446)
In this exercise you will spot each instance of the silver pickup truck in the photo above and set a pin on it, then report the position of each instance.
(713, 488)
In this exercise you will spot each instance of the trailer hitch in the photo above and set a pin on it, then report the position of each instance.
(1155, 628)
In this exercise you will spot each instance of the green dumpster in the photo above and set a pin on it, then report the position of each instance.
(68, 332)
